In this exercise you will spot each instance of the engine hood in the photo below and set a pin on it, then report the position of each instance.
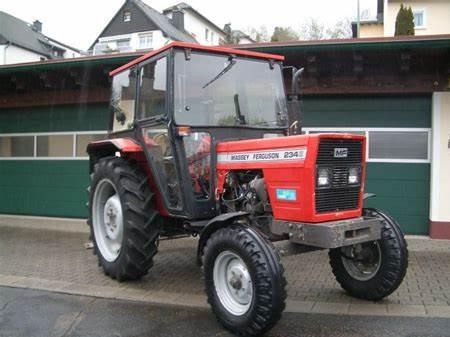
(266, 151)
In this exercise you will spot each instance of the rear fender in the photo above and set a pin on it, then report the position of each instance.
(109, 147)
(130, 150)
(214, 224)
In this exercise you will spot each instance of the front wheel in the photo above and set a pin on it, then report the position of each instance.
(372, 270)
(244, 280)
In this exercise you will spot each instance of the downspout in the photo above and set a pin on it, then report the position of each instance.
(4, 52)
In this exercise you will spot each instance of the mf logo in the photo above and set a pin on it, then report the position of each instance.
(340, 152)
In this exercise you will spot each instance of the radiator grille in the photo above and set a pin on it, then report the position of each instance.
(339, 196)
(326, 151)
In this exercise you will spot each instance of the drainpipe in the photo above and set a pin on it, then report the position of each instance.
(4, 52)
(358, 19)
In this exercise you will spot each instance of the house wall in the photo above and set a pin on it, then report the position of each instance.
(139, 22)
(440, 182)
(196, 26)
(437, 16)
(371, 30)
(244, 40)
(69, 53)
(17, 55)
(158, 41)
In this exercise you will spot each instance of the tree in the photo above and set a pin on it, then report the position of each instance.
(258, 34)
(404, 23)
(284, 34)
(341, 30)
(312, 29)
(230, 38)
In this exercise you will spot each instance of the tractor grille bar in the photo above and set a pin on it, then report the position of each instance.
(339, 195)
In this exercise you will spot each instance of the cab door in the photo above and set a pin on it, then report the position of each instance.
(155, 134)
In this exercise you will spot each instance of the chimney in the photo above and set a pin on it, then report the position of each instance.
(178, 19)
(380, 10)
(37, 26)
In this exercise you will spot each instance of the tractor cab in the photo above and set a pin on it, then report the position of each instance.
(182, 100)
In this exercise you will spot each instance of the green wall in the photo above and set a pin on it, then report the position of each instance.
(55, 118)
(44, 187)
(48, 187)
(403, 191)
(413, 112)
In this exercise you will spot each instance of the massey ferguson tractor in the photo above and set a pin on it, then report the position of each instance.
(201, 144)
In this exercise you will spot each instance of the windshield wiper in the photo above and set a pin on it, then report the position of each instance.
(237, 107)
(223, 72)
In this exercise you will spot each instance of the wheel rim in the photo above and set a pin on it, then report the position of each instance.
(362, 261)
(107, 218)
(233, 283)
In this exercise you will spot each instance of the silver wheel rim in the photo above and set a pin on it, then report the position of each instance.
(359, 269)
(107, 220)
(233, 283)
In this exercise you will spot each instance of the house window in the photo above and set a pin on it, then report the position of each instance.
(390, 145)
(206, 34)
(123, 45)
(412, 145)
(55, 146)
(126, 16)
(83, 140)
(16, 146)
(145, 41)
(419, 18)
(212, 37)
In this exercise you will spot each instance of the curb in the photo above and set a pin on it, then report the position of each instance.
(45, 223)
(199, 301)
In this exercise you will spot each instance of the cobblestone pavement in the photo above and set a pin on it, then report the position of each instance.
(60, 257)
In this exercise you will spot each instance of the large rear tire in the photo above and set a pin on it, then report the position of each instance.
(123, 221)
(372, 270)
(244, 280)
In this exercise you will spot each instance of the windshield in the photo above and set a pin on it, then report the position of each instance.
(216, 90)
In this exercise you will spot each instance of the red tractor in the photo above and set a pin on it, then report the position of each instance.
(201, 145)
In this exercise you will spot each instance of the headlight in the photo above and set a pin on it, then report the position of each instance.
(353, 175)
(323, 177)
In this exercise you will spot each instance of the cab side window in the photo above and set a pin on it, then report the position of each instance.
(153, 87)
(123, 99)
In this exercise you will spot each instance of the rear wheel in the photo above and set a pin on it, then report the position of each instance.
(372, 270)
(124, 224)
(244, 280)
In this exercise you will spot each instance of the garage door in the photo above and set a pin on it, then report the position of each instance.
(398, 131)
(43, 163)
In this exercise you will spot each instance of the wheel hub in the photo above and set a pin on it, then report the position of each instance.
(113, 217)
(362, 261)
(107, 220)
(233, 283)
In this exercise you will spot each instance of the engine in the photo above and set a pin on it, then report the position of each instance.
(246, 191)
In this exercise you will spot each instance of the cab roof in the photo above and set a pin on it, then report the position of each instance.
(193, 46)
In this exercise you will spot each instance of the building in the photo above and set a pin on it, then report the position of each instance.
(24, 42)
(50, 110)
(237, 36)
(201, 28)
(138, 27)
(431, 17)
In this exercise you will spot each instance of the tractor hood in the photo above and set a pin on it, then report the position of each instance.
(260, 153)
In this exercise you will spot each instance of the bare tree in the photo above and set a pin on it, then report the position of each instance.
(341, 30)
(312, 29)
(259, 34)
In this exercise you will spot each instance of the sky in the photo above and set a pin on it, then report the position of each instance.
(79, 22)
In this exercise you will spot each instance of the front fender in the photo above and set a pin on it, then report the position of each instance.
(214, 224)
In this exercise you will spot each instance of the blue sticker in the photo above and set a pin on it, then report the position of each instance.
(284, 194)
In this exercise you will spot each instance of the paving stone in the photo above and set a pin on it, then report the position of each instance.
(28, 256)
